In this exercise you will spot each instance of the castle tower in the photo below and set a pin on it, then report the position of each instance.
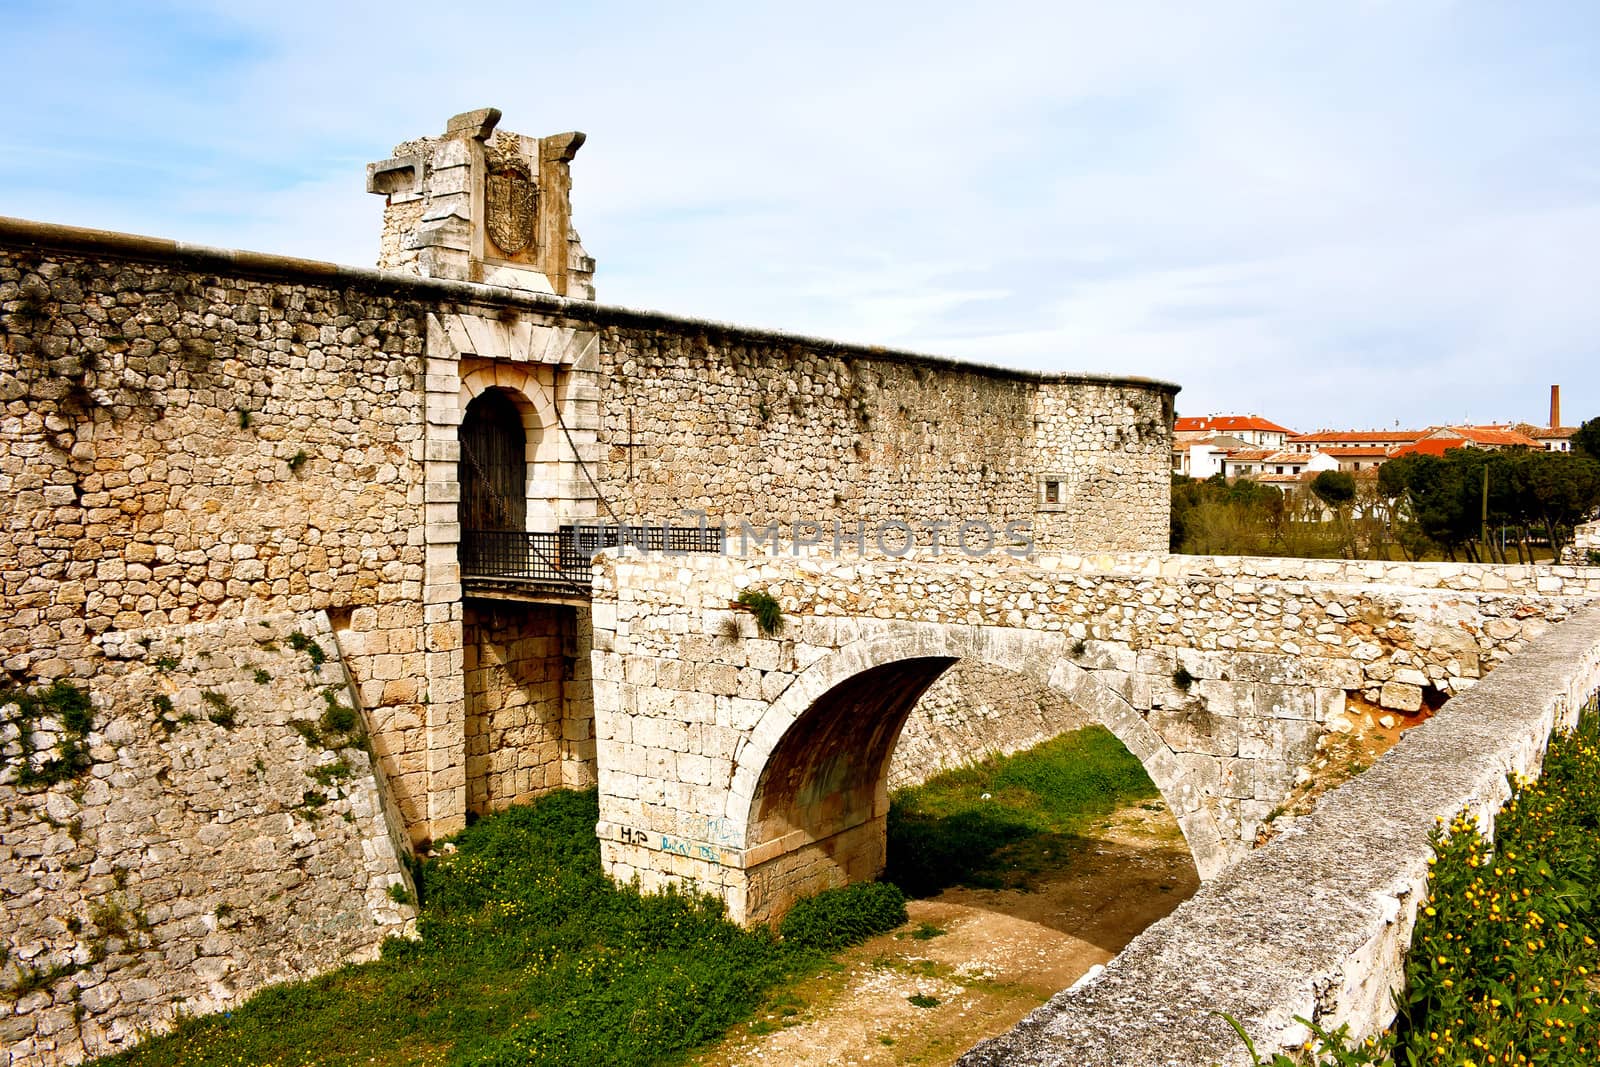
(479, 205)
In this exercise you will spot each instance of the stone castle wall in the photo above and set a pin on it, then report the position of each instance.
(180, 445)
(209, 848)
(763, 430)
(189, 433)
(529, 702)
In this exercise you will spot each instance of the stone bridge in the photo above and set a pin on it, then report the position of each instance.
(756, 766)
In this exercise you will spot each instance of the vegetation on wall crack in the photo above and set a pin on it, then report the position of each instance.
(339, 725)
(61, 710)
(222, 712)
(314, 651)
(765, 607)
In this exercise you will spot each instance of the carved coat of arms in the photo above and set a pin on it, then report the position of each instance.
(510, 207)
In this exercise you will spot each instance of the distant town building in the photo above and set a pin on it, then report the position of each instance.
(1249, 446)
(1269, 464)
(1324, 440)
(1252, 429)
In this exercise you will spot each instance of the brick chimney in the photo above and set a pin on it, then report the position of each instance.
(1555, 406)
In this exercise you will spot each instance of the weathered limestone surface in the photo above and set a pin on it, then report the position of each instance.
(529, 702)
(484, 205)
(1315, 924)
(1585, 539)
(178, 445)
(1221, 685)
(779, 430)
(209, 850)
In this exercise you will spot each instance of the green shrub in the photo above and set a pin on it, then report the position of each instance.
(765, 607)
(838, 918)
(527, 955)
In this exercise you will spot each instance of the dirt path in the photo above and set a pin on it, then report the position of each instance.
(1001, 953)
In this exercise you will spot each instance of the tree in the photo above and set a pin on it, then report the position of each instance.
(1337, 489)
(1563, 491)
(1212, 517)
(1334, 488)
(1587, 439)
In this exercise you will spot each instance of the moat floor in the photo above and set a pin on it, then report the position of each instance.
(1002, 954)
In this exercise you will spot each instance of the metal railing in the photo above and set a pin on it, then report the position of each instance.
(562, 558)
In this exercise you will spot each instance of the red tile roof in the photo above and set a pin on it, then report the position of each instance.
(1228, 424)
(1355, 437)
(1432, 446)
(1358, 452)
(1490, 435)
(1545, 433)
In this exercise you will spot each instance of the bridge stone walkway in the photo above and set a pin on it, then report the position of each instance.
(755, 767)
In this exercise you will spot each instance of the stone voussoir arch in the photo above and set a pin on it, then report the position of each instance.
(1040, 656)
(528, 389)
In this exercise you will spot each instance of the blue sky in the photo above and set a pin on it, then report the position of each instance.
(1339, 214)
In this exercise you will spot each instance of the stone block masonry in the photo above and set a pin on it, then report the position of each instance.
(757, 767)
(529, 702)
(227, 834)
(974, 711)
(762, 429)
(190, 433)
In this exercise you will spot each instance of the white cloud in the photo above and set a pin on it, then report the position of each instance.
(1330, 213)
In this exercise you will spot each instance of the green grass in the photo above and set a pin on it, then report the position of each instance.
(1502, 963)
(943, 833)
(528, 955)
(838, 918)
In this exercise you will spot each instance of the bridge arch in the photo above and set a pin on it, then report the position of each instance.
(809, 784)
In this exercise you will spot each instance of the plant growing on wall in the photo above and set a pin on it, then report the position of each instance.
(68, 713)
(765, 607)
